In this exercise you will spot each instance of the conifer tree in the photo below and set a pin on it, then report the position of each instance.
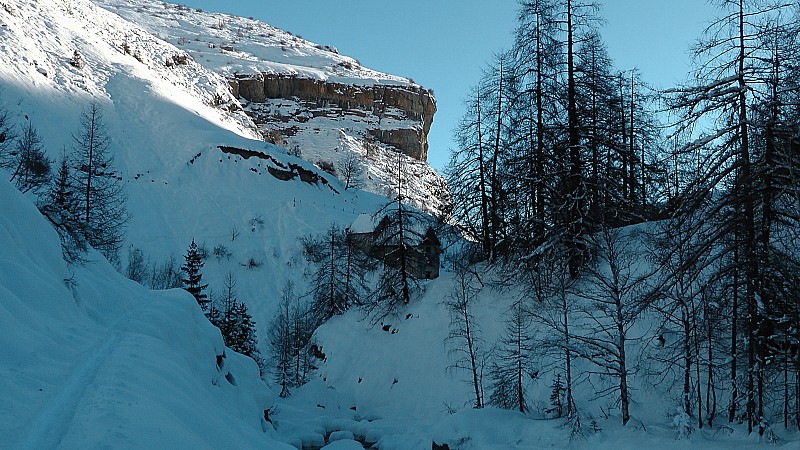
(396, 234)
(740, 84)
(61, 205)
(513, 366)
(193, 280)
(234, 321)
(502, 388)
(337, 280)
(243, 332)
(137, 269)
(289, 333)
(103, 201)
(557, 392)
(466, 344)
(7, 137)
(32, 170)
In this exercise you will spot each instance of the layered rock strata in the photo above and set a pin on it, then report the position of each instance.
(404, 113)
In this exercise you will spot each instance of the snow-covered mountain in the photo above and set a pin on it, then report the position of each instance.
(324, 106)
(190, 159)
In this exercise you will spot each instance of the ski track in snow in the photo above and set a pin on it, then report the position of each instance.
(52, 423)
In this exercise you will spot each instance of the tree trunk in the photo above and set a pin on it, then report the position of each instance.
(734, 335)
(567, 357)
(347, 277)
(745, 183)
(595, 213)
(697, 372)
(575, 191)
(539, 134)
(786, 389)
(401, 235)
(486, 240)
(626, 184)
(687, 361)
(520, 392)
(797, 390)
(494, 182)
(623, 368)
(711, 394)
(333, 275)
(631, 148)
(623, 382)
(90, 165)
(642, 182)
(472, 360)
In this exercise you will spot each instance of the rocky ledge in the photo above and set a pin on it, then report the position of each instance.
(408, 109)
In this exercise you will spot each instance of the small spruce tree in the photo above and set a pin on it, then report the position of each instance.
(281, 340)
(137, 269)
(7, 137)
(193, 281)
(513, 363)
(243, 333)
(61, 205)
(555, 396)
(234, 321)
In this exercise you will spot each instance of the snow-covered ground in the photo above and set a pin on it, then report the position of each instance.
(393, 386)
(94, 360)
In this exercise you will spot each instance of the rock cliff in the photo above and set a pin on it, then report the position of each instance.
(404, 112)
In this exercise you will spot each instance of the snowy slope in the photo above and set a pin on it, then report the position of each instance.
(165, 140)
(38, 40)
(231, 45)
(92, 360)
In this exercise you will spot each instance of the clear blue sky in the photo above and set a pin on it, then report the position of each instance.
(443, 44)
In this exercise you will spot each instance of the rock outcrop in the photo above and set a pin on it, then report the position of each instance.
(403, 113)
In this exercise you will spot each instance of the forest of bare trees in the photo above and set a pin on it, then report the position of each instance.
(563, 161)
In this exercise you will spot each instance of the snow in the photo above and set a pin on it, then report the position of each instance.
(229, 45)
(333, 138)
(395, 388)
(92, 360)
(364, 223)
(165, 138)
(347, 444)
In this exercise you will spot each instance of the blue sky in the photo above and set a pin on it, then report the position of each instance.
(443, 44)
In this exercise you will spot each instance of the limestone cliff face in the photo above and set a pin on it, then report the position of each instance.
(399, 116)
